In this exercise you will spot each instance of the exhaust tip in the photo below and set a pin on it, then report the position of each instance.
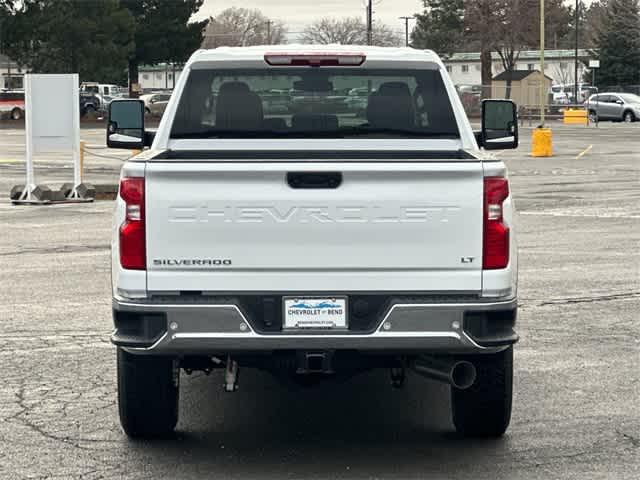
(463, 375)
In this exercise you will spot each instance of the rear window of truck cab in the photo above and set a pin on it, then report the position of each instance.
(322, 102)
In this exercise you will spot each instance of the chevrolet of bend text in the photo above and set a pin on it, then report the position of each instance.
(277, 222)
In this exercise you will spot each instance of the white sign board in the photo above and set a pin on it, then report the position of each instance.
(52, 119)
(53, 112)
(594, 63)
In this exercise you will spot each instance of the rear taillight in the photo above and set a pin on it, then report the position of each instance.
(132, 232)
(495, 245)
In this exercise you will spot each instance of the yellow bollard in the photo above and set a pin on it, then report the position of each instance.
(542, 142)
(82, 145)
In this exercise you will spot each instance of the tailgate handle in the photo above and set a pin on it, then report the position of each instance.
(314, 179)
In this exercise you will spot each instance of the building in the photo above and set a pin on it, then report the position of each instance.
(464, 68)
(163, 76)
(521, 86)
(11, 74)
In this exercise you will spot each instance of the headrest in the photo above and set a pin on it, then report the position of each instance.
(394, 89)
(238, 108)
(233, 88)
(391, 107)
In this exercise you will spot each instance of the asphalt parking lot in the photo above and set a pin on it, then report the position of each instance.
(577, 372)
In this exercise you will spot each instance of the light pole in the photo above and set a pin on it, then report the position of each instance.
(575, 73)
(370, 22)
(542, 78)
(406, 29)
(541, 137)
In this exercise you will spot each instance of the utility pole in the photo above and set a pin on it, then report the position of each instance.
(406, 29)
(268, 32)
(542, 78)
(541, 137)
(369, 22)
(575, 74)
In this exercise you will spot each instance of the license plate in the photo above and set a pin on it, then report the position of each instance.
(300, 312)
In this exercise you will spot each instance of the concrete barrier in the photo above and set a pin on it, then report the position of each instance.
(575, 117)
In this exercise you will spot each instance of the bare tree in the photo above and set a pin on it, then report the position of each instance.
(345, 31)
(507, 27)
(348, 31)
(515, 31)
(238, 27)
(481, 26)
(385, 36)
(561, 73)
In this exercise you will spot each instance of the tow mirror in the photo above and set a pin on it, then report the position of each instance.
(125, 128)
(499, 125)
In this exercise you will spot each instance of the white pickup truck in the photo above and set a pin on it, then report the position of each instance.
(274, 223)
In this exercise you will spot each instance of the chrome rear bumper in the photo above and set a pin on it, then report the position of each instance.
(207, 329)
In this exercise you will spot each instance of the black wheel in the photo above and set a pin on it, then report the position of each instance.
(484, 409)
(628, 116)
(16, 114)
(147, 394)
(89, 109)
(147, 111)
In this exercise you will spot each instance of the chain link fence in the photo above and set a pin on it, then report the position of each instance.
(616, 102)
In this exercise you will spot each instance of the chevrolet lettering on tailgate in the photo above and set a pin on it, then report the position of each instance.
(309, 214)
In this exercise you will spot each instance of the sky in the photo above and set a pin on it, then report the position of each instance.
(298, 13)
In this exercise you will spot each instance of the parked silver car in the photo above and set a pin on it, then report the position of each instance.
(614, 106)
(157, 104)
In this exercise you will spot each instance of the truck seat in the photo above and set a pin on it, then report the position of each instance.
(391, 107)
(238, 108)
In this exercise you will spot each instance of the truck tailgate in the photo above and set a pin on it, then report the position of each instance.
(242, 226)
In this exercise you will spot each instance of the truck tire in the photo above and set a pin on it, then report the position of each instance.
(147, 395)
(484, 409)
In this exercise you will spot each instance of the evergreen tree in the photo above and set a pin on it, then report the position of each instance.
(66, 36)
(440, 26)
(618, 44)
(6, 14)
(163, 32)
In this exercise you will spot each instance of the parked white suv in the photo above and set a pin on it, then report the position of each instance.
(314, 242)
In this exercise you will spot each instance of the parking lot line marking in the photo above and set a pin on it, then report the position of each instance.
(584, 152)
(582, 215)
